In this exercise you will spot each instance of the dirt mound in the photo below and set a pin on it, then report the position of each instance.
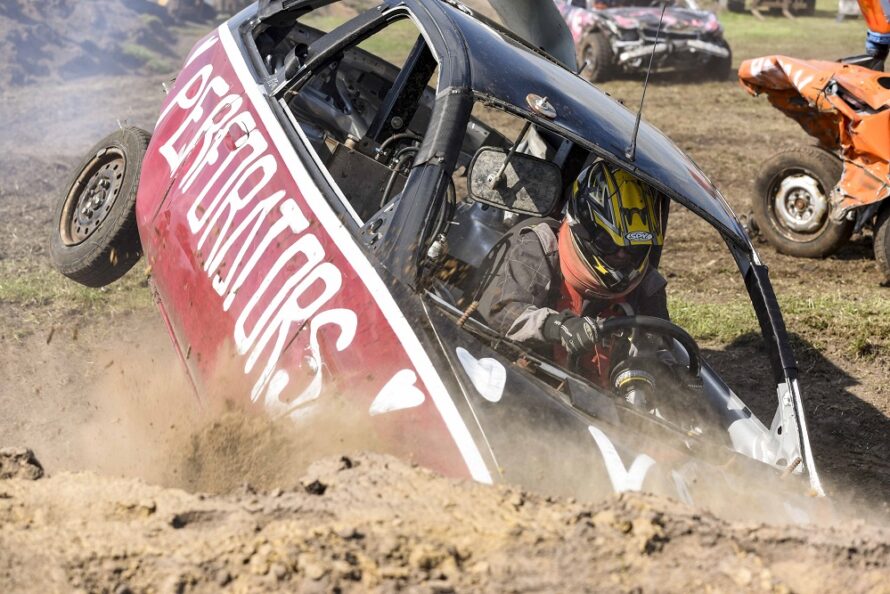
(373, 523)
(66, 39)
(19, 463)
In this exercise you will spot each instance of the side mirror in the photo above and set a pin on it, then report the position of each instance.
(527, 185)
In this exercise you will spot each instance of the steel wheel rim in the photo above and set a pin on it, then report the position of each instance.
(799, 205)
(92, 196)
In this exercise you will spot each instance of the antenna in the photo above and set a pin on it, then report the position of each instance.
(631, 152)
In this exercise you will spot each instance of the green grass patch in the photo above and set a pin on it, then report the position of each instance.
(807, 37)
(860, 329)
(715, 322)
(46, 289)
(137, 53)
(141, 56)
(392, 44)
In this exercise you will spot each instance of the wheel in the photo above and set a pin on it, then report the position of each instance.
(719, 68)
(94, 239)
(791, 203)
(596, 56)
(882, 242)
(736, 5)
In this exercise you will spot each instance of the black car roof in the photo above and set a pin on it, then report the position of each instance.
(503, 69)
(497, 66)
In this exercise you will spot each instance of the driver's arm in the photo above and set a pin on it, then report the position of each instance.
(515, 298)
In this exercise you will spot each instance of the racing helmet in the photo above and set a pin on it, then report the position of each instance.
(612, 223)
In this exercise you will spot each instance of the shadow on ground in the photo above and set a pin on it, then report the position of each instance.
(858, 248)
(850, 437)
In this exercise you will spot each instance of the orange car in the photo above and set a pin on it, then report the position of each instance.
(809, 200)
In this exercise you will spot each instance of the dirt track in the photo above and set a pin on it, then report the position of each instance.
(371, 523)
(90, 383)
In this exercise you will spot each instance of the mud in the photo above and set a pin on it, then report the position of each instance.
(19, 463)
(369, 523)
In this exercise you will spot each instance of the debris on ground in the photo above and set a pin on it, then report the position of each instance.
(19, 463)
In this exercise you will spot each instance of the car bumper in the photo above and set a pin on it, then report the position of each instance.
(697, 47)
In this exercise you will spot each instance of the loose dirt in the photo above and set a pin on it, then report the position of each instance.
(368, 523)
(90, 382)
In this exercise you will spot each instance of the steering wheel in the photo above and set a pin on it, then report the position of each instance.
(660, 327)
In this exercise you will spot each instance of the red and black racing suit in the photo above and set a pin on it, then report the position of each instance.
(526, 286)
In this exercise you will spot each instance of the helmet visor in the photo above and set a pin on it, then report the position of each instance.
(616, 266)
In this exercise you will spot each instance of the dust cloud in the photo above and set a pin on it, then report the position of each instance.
(148, 422)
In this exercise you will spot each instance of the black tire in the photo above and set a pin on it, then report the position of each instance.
(719, 68)
(597, 52)
(800, 163)
(94, 239)
(882, 242)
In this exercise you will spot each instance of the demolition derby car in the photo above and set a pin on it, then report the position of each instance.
(314, 217)
(622, 39)
(809, 200)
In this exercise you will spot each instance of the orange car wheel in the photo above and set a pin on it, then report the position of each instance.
(791, 204)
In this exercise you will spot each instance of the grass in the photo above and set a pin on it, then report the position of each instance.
(818, 37)
(858, 329)
(393, 44)
(141, 56)
(47, 290)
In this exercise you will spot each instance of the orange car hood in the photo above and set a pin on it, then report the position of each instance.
(844, 107)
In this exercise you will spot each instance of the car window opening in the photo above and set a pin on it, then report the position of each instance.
(365, 112)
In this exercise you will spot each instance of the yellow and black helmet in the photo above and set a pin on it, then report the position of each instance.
(615, 222)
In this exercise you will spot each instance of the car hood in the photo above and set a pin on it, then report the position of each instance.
(583, 443)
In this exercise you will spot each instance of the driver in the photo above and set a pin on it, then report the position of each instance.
(553, 279)
(877, 42)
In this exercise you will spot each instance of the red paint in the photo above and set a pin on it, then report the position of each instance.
(198, 319)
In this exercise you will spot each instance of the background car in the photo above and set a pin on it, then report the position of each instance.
(621, 39)
(809, 200)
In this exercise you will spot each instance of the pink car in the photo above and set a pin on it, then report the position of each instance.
(616, 37)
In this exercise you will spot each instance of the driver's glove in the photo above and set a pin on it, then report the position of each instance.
(576, 334)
